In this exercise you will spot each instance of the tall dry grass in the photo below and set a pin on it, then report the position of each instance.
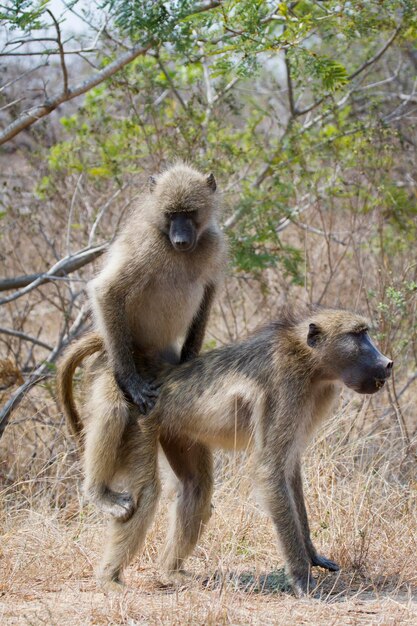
(362, 501)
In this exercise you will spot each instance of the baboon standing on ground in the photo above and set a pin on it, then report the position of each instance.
(150, 301)
(269, 391)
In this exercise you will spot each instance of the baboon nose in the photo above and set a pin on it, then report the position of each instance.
(183, 244)
(389, 367)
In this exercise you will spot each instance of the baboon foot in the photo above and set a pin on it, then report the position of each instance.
(109, 583)
(111, 586)
(118, 504)
(122, 507)
(325, 563)
(303, 585)
(176, 579)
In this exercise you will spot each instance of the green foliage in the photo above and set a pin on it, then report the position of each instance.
(23, 14)
(156, 109)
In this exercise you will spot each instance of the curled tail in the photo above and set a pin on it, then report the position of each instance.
(73, 357)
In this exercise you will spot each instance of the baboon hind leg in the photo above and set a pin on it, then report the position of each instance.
(125, 539)
(140, 467)
(109, 415)
(192, 463)
(298, 493)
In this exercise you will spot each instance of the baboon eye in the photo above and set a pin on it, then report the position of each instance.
(360, 331)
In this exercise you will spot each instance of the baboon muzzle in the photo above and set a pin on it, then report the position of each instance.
(372, 368)
(182, 232)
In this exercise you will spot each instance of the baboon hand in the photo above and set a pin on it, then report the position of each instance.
(143, 394)
(324, 562)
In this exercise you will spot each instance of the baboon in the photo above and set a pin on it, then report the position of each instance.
(151, 299)
(269, 391)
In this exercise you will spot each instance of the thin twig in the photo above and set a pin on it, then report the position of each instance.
(25, 337)
(71, 212)
(289, 84)
(377, 56)
(61, 51)
(103, 210)
(317, 231)
(15, 80)
(171, 83)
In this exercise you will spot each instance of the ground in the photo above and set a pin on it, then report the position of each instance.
(361, 516)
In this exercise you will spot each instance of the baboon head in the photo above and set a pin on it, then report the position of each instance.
(186, 204)
(346, 352)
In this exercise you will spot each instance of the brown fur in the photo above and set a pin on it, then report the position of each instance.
(152, 300)
(268, 392)
(73, 357)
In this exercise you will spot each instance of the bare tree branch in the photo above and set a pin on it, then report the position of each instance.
(171, 83)
(103, 210)
(358, 71)
(289, 83)
(377, 56)
(25, 337)
(36, 113)
(64, 266)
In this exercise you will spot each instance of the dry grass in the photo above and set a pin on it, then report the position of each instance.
(362, 506)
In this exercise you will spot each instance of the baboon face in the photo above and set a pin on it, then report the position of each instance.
(353, 358)
(186, 201)
(182, 229)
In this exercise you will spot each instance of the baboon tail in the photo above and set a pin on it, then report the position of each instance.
(73, 357)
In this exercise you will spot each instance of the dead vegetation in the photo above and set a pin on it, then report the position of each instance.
(362, 502)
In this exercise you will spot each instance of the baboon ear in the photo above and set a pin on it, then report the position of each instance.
(211, 182)
(313, 336)
(152, 183)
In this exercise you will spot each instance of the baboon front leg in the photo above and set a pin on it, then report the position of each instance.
(280, 505)
(315, 558)
(192, 463)
(195, 336)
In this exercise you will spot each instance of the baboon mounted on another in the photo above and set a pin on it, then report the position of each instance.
(151, 300)
(268, 392)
